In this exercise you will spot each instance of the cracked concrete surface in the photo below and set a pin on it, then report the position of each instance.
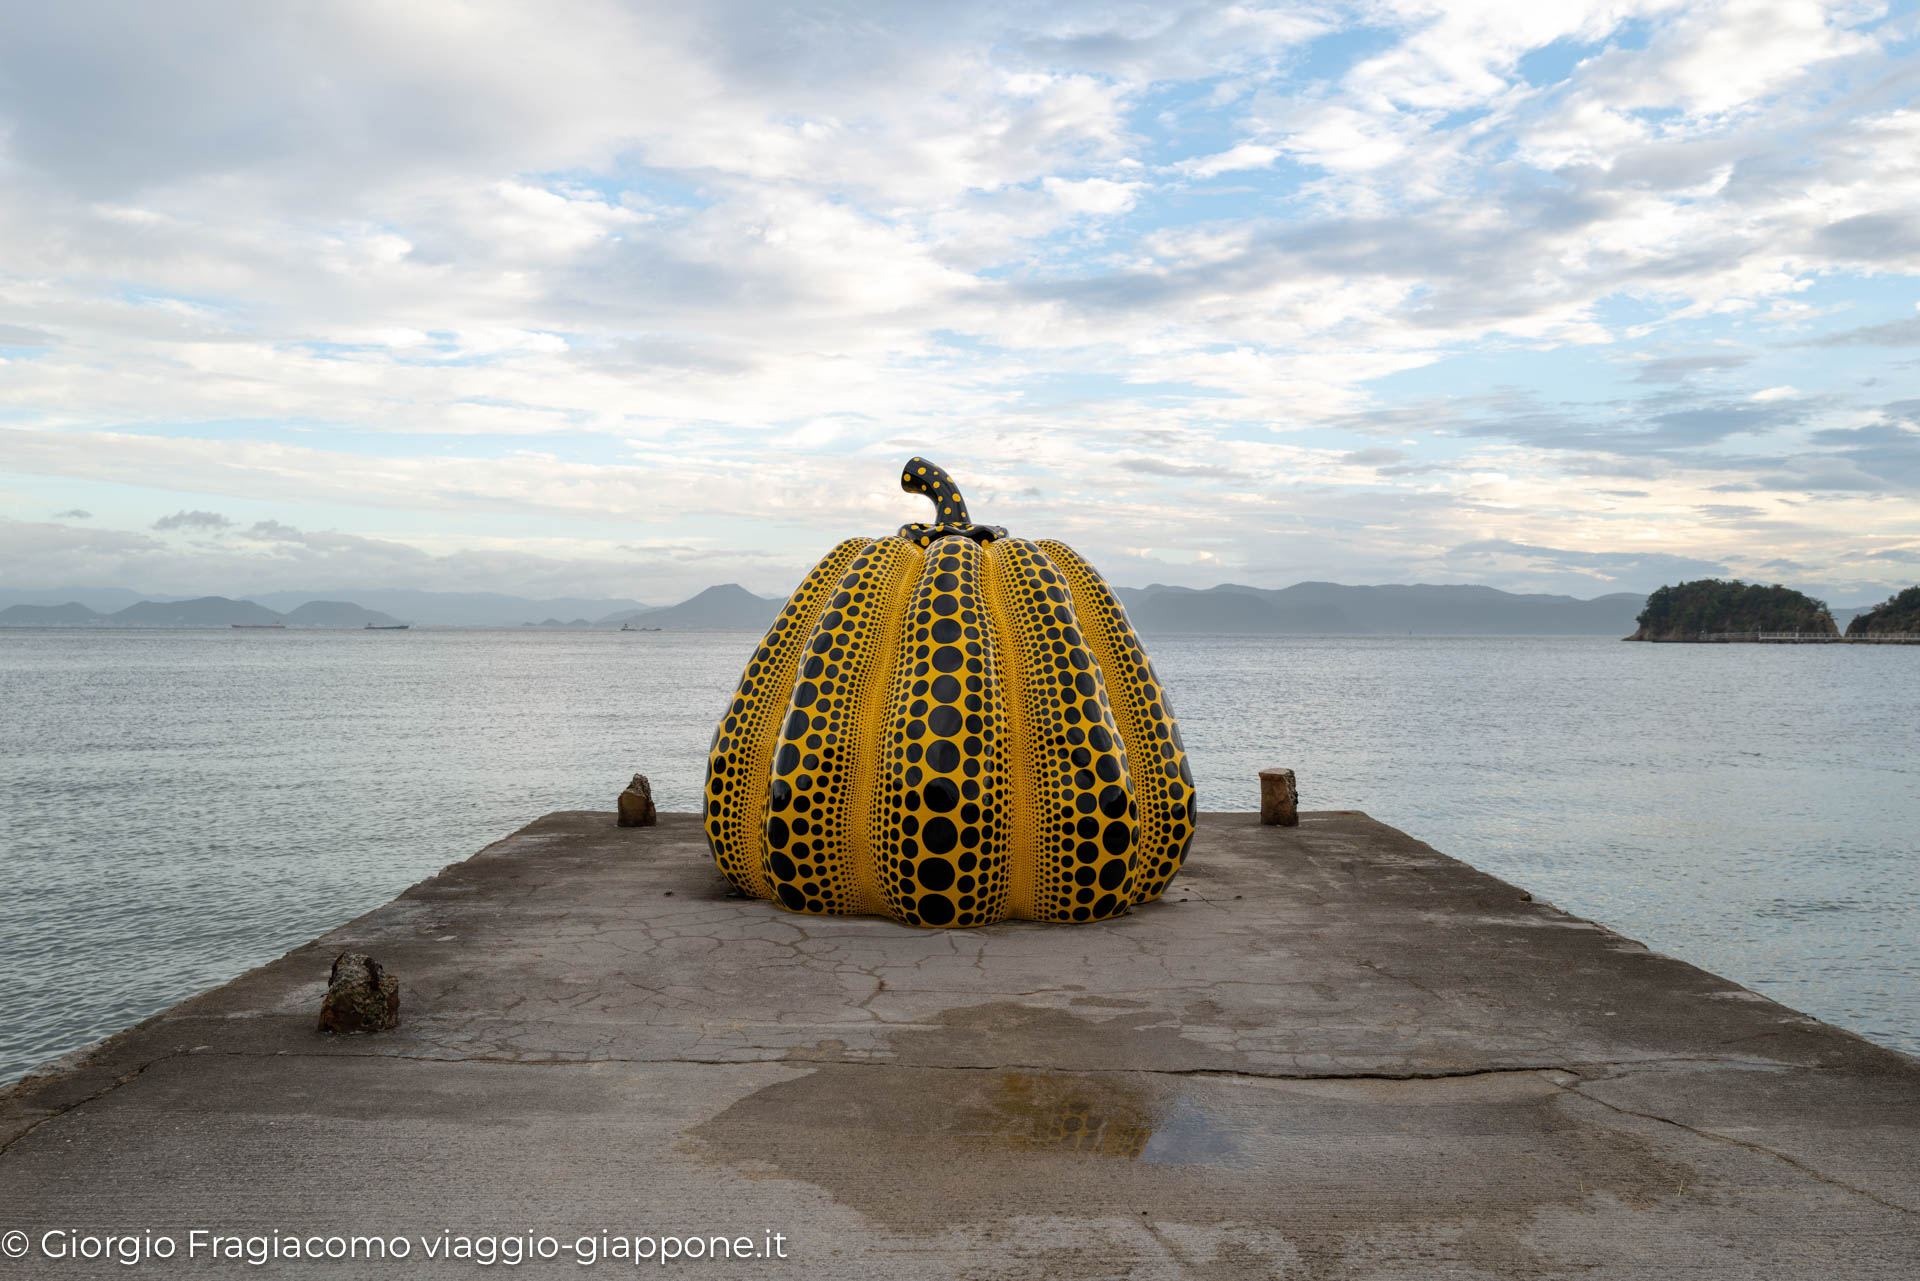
(1329, 1052)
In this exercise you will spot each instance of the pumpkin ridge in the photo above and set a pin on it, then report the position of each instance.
(941, 797)
(809, 847)
(1016, 731)
(744, 741)
(1156, 756)
(866, 826)
(1081, 816)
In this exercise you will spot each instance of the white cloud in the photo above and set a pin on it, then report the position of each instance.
(601, 262)
(1092, 195)
(1728, 57)
(1246, 155)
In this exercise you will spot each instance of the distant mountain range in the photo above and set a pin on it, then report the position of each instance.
(1327, 609)
(432, 609)
(204, 611)
(1332, 609)
(728, 607)
(336, 613)
(458, 609)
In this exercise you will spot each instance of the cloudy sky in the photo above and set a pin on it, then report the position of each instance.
(627, 299)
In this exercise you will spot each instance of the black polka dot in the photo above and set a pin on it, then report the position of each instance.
(939, 835)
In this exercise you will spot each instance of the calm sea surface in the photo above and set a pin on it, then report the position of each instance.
(178, 806)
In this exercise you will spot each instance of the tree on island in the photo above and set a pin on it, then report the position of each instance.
(1899, 612)
(1707, 606)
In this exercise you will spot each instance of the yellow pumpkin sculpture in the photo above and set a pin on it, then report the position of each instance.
(950, 727)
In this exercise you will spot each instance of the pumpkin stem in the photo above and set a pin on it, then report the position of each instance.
(922, 477)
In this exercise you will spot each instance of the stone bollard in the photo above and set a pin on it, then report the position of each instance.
(636, 803)
(361, 996)
(1279, 798)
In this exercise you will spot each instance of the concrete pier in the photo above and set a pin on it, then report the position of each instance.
(1329, 1052)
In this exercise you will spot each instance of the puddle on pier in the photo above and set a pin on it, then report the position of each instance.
(941, 1135)
(909, 1140)
(945, 1114)
(1075, 1114)
(1086, 1116)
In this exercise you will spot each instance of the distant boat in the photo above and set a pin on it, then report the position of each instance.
(261, 627)
(629, 627)
(388, 627)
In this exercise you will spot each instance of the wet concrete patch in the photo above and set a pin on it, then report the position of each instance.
(925, 1150)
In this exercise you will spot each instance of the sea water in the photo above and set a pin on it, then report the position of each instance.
(179, 806)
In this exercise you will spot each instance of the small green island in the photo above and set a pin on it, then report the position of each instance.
(1898, 615)
(1727, 610)
(1713, 609)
